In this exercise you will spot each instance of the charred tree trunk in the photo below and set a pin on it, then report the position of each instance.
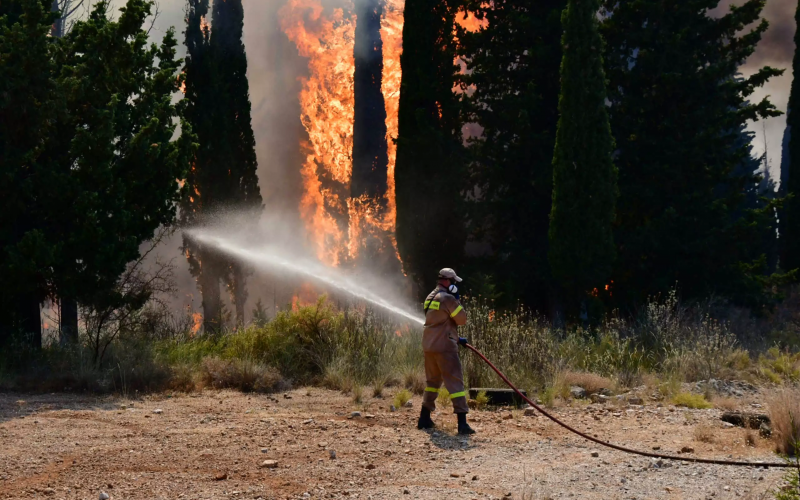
(238, 291)
(69, 321)
(370, 156)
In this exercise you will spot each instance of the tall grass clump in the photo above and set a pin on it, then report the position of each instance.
(784, 414)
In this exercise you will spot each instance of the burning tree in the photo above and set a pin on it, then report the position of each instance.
(223, 175)
(349, 110)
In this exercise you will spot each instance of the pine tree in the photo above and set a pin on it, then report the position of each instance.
(429, 174)
(790, 179)
(224, 171)
(513, 66)
(584, 176)
(677, 112)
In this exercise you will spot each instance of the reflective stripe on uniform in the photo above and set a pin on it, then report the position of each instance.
(461, 394)
(431, 389)
(458, 309)
(434, 305)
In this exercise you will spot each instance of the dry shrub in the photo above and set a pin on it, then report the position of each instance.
(414, 381)
(242, 374)
(725, 403)
(689, 400)
(183, 378)
(590, 382)
(784, 414)
(704, 433)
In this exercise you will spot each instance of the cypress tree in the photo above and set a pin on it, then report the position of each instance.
(790, 179)
(429, 174)
(224, 171)
(677, 111)
(584, 176)
(513, 68)
(370, 156)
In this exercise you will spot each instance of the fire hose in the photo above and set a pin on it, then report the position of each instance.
(622, 448)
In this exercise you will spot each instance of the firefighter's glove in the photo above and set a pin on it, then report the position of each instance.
(463, 341)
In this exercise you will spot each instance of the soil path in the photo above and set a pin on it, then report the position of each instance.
(214, 445)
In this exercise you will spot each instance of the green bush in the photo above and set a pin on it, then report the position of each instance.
(689, 400)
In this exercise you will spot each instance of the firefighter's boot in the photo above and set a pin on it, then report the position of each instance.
(425, 421)
(463, 427)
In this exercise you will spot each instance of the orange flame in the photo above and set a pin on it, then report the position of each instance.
(197, 322)
(336, 223)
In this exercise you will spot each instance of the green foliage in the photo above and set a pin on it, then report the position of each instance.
(429, 173)
(677, 112)
(584, 177)
(689, 400)
(100, 179)
(481, 400)
(791, 489)
(513, 81)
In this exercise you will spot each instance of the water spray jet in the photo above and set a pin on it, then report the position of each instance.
(266, 257)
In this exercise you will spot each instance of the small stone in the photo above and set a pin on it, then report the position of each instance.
(221, 476)
(508, 495)
(104, 495)
(508, 416)
(264, 450)
(322, 444)
(409, 404)
(595, 454)
(392, 408)
(656, 448)
(158, 411)
(355, 414)
(286, 396)
(474, 478)
(599, 398)
(455, 474)
(668, 489)
(269, 464)
(369, 415)
(530, 411)
(371, 467)
(306, 422)
(332, 454)
(687, 449)
(406, 492)
(49, 491)
(577, 392)
(635, 401)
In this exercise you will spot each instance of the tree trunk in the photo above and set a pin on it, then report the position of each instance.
(69, 322)
(209, 288)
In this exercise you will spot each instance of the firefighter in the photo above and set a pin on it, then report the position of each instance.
(440, 340)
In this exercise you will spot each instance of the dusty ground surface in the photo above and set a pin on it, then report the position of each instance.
(214, 445)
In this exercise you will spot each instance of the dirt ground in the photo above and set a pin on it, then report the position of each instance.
(306, 444)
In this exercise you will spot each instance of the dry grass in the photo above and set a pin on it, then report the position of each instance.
(784, 413)
(750, 438)
(590, 382)
(705, 433)
(402, 397)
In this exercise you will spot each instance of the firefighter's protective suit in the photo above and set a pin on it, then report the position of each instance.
(440, 345)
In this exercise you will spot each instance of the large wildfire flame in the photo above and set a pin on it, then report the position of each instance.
(335, 222)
